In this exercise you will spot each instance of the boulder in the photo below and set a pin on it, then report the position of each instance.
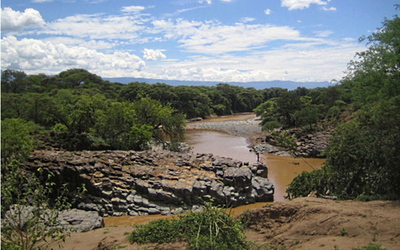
(72, 220)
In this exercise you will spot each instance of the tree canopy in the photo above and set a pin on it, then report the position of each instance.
(363, 157)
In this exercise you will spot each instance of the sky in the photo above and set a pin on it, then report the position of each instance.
(191, 40)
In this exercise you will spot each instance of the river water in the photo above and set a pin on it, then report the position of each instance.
(281, 170)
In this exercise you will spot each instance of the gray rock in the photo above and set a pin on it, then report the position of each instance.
(72, 220)
(128, 182)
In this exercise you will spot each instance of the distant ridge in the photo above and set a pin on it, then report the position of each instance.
(290, 85)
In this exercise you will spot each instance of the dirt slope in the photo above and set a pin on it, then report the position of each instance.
(304, 223)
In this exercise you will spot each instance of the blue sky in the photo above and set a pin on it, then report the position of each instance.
(197, 40)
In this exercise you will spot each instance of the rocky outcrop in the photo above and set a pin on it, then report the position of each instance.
(313, 144)
(154, 182)
(71, 220)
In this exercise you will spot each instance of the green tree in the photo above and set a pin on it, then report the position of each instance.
(15, 139)
(306, 116)
(13, 81)
(165, 121)
(76, 112)
(114, 123)
(73, 78)
(287, 104)
(363, 154)
(191, 101)
(139, 138)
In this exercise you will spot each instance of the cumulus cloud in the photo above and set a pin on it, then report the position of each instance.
(153, 55)
(14, 20)
(268, 12)
(301, 4)
(38, 56)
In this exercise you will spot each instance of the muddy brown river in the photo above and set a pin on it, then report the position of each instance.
(281, 170)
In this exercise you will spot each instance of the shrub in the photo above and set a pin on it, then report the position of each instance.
(211, 229)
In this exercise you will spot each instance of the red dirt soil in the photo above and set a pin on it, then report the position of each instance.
(303, 223)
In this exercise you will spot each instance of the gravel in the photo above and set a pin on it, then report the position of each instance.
(241, 128)
(237, 128)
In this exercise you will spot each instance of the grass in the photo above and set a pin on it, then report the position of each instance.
(371, 246)
(211, 229)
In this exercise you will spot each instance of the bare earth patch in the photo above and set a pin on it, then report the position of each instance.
(303, 223)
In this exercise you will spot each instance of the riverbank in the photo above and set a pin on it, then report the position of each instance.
(303, 223)
(244, 125)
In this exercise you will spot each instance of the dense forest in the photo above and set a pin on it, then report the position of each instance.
(79, 110)
(82, 111)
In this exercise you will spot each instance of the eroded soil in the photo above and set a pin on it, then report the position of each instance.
(304, 223)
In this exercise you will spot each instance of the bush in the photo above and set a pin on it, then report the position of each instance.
(211, 229)
(271, 125)
(158, 231)
(306, 182)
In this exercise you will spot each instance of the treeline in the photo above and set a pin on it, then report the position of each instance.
(84, 111)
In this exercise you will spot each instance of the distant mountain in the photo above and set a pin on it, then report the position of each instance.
(257, 85)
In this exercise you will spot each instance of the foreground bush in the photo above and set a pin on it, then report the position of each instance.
(211, 229)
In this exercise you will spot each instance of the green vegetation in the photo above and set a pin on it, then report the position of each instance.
(78, 110)
(363, 154)
(29, 214)
(371, 246)
(211, 229)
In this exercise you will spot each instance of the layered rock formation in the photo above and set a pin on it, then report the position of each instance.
(141, 183)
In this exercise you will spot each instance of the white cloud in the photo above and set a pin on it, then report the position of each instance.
(323, 33)
(247, 19)
(132, 8)
(329, 9)
(301, 4)
(243, 51)
(268, 12)
(207, 1)
(295, 62)
(97, 27)
(37, 56)
(14, 20)
(214, 38)
(153, 55)
(90, 44)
